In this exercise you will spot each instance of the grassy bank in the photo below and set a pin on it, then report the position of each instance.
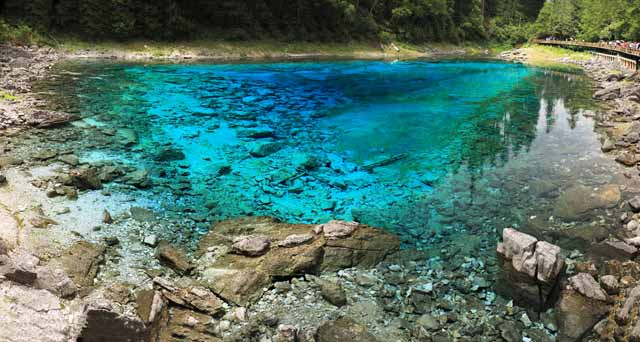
(553, 57)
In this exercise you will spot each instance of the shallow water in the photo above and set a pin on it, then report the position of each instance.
(481, 145)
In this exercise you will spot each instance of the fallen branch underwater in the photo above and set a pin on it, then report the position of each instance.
(384, 162)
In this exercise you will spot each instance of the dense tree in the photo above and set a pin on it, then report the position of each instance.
(313, 20)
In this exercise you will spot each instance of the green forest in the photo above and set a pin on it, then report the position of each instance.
(412, 21)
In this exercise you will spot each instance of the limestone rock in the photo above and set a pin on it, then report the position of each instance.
(579, 200)
(19, 266)
(576, 314)
(239, 278)
(263, 149)
(332, 292)
(173, 257)
(188, 325)
(295, 240)
(338, 229)
(253, 245)
(627, 159)
(103, 325)
(86, 178)
(81, 261)
(610, 284)
(55, 280)
(587, 286)
(529, 269)
(238, 286)
(36, 315)
(192, 297)
(614, 249)
(343, 329)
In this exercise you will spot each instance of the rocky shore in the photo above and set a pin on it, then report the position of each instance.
(81, 258)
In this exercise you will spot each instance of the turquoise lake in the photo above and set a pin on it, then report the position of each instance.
(460, 146)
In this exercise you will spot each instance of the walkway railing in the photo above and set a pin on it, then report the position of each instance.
(627, 57)
(600, 46)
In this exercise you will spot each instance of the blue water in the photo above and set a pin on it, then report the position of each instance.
(462, 131)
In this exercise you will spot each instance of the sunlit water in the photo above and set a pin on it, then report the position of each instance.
(474, 140)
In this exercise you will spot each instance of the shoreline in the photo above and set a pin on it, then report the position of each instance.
(22, 194)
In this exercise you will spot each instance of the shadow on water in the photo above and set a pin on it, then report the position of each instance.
(475, 137)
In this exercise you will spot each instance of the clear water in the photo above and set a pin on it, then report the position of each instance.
(475, 138)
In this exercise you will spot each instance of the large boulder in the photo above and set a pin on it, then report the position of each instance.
(582, 304)
(579, 200)
(239, 271)
(530, 269)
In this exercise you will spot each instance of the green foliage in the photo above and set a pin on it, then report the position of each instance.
(414, 21)
(20, 34)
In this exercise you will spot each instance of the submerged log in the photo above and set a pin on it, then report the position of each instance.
(384, 162)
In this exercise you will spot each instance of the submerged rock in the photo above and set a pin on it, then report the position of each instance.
(169, 154)
(263, 149)
(578, 201)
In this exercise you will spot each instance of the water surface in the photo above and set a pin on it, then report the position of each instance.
(471, 143)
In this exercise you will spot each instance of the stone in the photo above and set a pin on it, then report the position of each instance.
(239, 287)
(338, 229)
(586, 285)
(343, 329)
(49, 119)
(295, 240)
(30, 314)
(304, 161)
(634, 203)
(577, 314)
(287, 333)
(529, 270)
(610, 284)
(614, 249)
(45, 155)
(253, 245)
(104, 325)
(173, 258)
(106, 217)
(189, 326)
(628, 159)
(194, 297)
(608, 93)
(240, 279)
(579, 200)
(138, 178)
(332, 292)
(630, 302)
(69, 159)
(263, 149)
(3, 180)
(428, 322)
(81, 262)
(19, 266)
(86, 178)
(150, 240)
(55, 280)
(169, 154)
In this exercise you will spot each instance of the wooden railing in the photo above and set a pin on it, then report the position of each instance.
(628, 58)
(599, 46)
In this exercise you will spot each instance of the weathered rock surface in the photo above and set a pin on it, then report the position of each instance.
(530, 269)
(343, 329)
(81, 262)
(578, 200)
(173, 257)
(36, 315)
(240, 277)
(252, 245)
(580, 307)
